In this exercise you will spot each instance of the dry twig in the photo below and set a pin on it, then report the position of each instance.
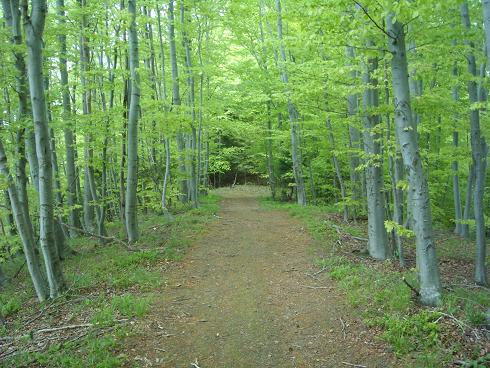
(354, 365)
(195, 364)
(343, 328)
(67, 327)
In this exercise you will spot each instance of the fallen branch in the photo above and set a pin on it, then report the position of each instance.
(415, 291)
(319, 272)
(338, 229)
(354, 365)
(114, 240)
(343, 328)
(18, 271)
(314, 275)
(472, 286)
(108, 238)
(317, 287)
(359, 238)
(67, 327)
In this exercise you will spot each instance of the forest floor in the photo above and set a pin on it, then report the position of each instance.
(247, 294)
(246, 283)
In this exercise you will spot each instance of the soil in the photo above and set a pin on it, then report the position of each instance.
(244, 296)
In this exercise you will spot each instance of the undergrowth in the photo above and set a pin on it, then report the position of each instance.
(420, 337)
(109, 286)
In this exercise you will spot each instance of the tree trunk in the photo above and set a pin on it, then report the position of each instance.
(162, 54)
(338, 172)
(24, 230)
(465, 229)
(87, 92)
(354, 143)
(479, 153)
(293, 116)
(378, 239)
(34, 25)
(70, 170)
(132, 176)
(396, 174)
(406, 129)
(192, 138)
(11, 13)
(176, 101)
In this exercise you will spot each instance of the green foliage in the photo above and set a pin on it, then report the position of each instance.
(123, 306)
(418, 332)
(401, 230)
(9, 305)
(97, 352)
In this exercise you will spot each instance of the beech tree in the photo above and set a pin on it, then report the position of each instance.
(34, 22)
(113, 110)
(406, 129)
(132, 176)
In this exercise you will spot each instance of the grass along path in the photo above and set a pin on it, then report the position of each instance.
(109, 289)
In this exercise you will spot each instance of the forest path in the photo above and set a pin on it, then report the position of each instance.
(241, 298)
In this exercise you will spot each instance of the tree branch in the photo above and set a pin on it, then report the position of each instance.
(372, 20)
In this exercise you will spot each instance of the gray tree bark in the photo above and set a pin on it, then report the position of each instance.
(338, 172)
(162, 79)
(132, 175)
(479, 153)
(486, 23)
(378, 239)
(406, 129)
(12, 16)
(354, 142)
(87, 92)
(192, 182)
(24, 230)
(465, 229)
(176, 102)
(71, 192)
(293, 115)
(396, 170)
(34, 25)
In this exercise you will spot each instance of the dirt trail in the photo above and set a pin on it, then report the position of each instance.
(241, 299)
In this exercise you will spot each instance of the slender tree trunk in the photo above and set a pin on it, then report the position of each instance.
(378, 239)
(132, 176)
(338, 172)
(192, 138)
(34, 25)
(396, 173)
(354, 143)
(88, 209)
(32, 157)
(87, 94)
(166, 178)
(12, 16)
(122, 166)
(269, 152)
(176, 100)
(479, 152)
(162, 79)
(70, 170)
(465, 229)
(293, 116)
(24, 230)
(406, 129)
